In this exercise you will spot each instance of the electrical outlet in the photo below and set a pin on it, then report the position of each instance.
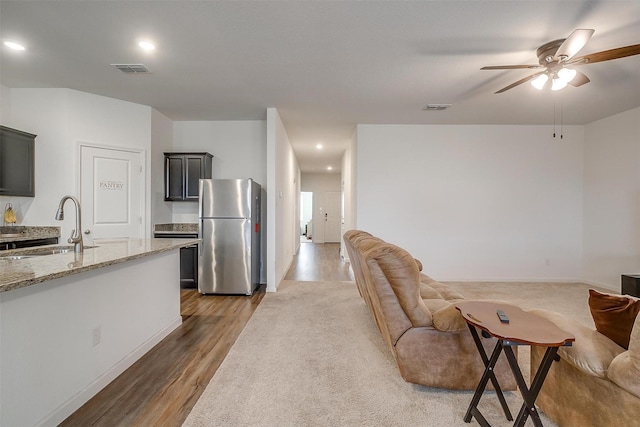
(96, 336)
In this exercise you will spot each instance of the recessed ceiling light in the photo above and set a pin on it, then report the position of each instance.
(146, 45)
(329, 168)
(319, 146)
(14, 45)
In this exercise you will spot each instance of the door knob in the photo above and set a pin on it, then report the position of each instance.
(87, 231)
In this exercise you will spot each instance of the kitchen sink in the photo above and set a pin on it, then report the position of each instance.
(36, 252)
(15, 257)
(51, 250)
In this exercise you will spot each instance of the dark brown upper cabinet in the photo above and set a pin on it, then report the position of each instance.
(181, 174)
(17, 163)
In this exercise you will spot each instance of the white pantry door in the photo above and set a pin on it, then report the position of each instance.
(332, 216)
(111, 187)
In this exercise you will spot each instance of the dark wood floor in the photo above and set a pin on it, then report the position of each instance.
(161, 388)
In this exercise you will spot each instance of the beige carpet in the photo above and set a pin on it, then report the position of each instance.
(311, 355)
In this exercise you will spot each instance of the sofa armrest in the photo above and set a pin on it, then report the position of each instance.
(591, 352)
(449, 319)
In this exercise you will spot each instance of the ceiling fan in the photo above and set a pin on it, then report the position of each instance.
(556, 59)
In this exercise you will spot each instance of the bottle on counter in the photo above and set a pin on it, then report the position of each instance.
(9, 215)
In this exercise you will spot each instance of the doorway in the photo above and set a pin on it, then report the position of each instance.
(306, 216)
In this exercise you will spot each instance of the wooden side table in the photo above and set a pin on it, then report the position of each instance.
(524, 328)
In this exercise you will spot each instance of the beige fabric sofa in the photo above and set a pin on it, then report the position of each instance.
(595, 383)
(415, 314)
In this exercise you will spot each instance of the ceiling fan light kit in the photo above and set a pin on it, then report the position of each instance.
(566, 74)
(540, 81)
(559, 80)
(558, 84)
(556, 56)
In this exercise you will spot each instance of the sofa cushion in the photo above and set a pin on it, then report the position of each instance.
(427, 292)
(395, 269)
(444, 291)
(614, 315)
(435, 304)
(625, 368)
(591, 353)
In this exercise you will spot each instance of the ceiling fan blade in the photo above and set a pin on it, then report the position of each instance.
(519, 82)
(607, 55)
(511, 67)
(573, 44)
(579, 79)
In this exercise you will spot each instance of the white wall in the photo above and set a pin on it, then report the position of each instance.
(612, 199)
(475, 202)
(283, 192)
(319, 184)
(161, 141)
(239, 149)
(43, 112)
(5, 105)
(62, 118)
(349, 187)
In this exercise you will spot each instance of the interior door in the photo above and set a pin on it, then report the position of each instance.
(111, 192)
(332, 216)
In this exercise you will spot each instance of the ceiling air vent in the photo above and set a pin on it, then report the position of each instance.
(436, 107)
(132, 68)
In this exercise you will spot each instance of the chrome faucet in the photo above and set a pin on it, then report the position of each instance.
(76, 235)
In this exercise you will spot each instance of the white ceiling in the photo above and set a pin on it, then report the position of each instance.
(325, 65)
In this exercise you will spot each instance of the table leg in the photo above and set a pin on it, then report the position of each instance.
(488, 374)
(529, 395)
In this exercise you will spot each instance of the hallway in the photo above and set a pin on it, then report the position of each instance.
(318, 262)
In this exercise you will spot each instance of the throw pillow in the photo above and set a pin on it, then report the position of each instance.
(614, 315)
(625, 368)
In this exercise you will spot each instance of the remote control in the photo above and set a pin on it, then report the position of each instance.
(502, 316)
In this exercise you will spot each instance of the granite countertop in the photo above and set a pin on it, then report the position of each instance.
(19, 273)
(176, 228)
(18, 233)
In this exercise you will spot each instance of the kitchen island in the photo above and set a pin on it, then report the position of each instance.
(71, 323)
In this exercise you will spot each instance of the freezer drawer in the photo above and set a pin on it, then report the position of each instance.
(224, 262)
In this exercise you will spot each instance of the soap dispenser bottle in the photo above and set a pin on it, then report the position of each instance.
(9, 214)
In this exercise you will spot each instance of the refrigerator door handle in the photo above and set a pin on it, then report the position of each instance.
(200, 186)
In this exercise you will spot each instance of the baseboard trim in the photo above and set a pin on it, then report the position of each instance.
(602, 285)
(512, 279)
(537, 280)
(284, 274)
(83, 396)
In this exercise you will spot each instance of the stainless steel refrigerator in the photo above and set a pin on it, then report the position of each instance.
(229, 226)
